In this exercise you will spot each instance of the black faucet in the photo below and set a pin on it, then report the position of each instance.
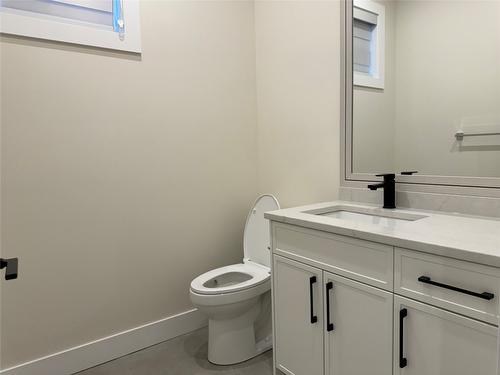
(389, 186)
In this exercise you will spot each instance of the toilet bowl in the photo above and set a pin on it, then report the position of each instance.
(237, 298)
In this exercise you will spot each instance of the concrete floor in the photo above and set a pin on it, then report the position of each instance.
(184, 355)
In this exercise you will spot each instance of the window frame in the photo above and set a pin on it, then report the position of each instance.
(19, 22)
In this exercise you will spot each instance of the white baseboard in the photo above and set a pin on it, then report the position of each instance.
(108, 348)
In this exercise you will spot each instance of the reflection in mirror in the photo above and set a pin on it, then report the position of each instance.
(436, 106)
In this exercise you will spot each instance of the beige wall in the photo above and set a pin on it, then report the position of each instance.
(124, 178)
(447, 74)
(298, 99)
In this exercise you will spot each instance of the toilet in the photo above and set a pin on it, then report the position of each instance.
(237, 298)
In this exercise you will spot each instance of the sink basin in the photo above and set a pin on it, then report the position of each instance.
(366, 215)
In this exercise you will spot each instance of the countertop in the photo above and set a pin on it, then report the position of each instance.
(470, 238)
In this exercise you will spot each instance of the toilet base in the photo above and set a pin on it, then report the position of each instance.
(241, 338)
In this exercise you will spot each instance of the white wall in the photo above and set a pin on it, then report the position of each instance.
(124, 177)
(298, 90)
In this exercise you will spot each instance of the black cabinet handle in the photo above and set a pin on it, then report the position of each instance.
(11, 266)
(484, 295)
(314, 318)
(329, 325)
(403, 362)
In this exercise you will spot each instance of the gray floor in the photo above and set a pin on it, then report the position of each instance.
(184, 355)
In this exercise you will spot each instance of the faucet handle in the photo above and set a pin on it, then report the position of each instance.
(11, 268)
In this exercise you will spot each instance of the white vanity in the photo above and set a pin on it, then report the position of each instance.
(362, 290)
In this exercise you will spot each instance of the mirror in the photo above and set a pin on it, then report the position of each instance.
(425, 88)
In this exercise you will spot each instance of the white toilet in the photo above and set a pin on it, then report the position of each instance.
(237, 298)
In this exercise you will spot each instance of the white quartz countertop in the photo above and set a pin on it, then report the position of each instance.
(469, 238)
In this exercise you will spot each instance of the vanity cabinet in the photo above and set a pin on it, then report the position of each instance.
(298, 296)
(359, 338)
(439, 342)
(324, 323)
(344, 306)
(466, 288)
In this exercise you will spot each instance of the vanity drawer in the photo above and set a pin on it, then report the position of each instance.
(466, 288)
(365, 261)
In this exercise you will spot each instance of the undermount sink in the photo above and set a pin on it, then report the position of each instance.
(366, 215)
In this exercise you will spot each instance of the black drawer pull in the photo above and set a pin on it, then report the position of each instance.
(403, 362)
(314, 318)
(329, 325)
(484, 295)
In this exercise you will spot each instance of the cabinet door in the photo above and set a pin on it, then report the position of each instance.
(298, 317)
(438, 342)
(358, 323)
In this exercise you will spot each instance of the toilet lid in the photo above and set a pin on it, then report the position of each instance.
(256, 238)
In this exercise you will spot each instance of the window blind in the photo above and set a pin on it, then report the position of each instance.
(98, 12)
(364, 23)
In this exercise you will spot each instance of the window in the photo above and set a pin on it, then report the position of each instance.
(101, 23)
(368, 43)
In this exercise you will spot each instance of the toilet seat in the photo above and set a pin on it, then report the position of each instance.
(255, 275)
(255, 269)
